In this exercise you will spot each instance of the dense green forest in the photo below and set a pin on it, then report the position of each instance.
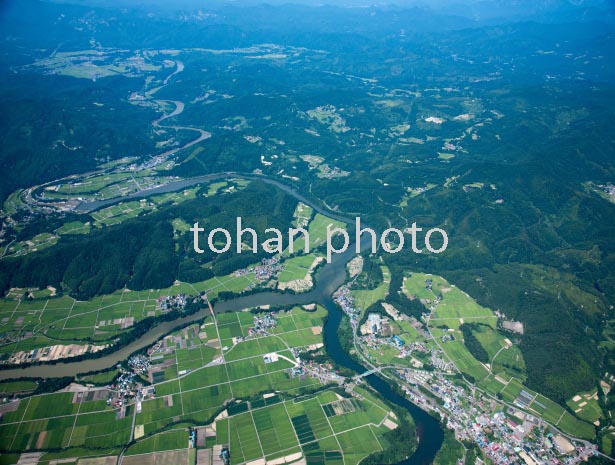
(472, 343)
(142, 253)
(371, 275)
(52, 134)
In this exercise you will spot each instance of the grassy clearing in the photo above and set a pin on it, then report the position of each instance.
(100, 378)
(571, 425)
(74, 227)
(452, 307)
(91, 184)
(39, 242)
(585, 406)
(120, 212)
(317, 230)
(180, 226)
(303, 215)
(171, 440)
(364, 298)
(296, 268)
(17, 386)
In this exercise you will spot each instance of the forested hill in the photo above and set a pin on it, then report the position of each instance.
(142, 253)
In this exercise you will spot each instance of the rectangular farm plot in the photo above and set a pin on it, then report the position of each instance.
(95, 429)
(171, 440)
(275, 429)
(271, 344)
(348, 414)
(512, 390)
(244, 349)
(52, 405)
(206, 401)
(464, 360)
(108, 434)
(195, 357)
(87, 321)
(303, 337)
(244, 440)
(251, 386)
(229, 328)
(59, 303)
(493, 384)
(171, 457)
(208, 376)
(160, 408)
(309, 420)
(358, 443)
(247, 368)
(284, 324)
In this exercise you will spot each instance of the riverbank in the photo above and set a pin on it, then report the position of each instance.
(331, 277)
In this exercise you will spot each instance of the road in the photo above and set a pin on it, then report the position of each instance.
(134, 419)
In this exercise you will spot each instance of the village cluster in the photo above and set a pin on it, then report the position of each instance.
(170, 302)
(262, 324)
(344, 299)
(269, 268)
(505, 435)
(324, 372)
(139, 364)
(609, 190)
(123, 390)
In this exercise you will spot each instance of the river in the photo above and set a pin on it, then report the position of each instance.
(331, 277)
(429, 431)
